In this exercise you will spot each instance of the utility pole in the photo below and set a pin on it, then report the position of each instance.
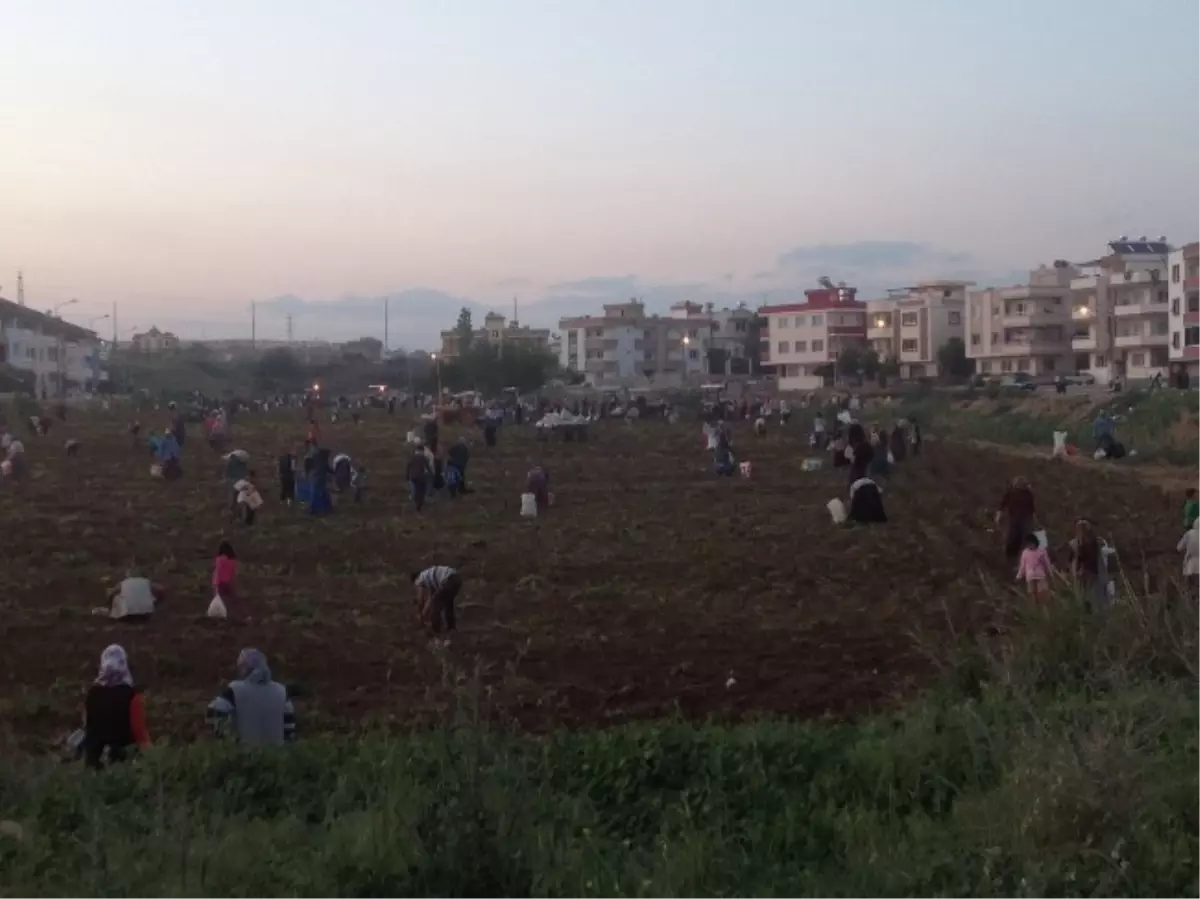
(385, 325)
(114, 318)
(20, 288)
(253, 324)
(289, 327)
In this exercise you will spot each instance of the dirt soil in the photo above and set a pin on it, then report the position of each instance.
(652, 588)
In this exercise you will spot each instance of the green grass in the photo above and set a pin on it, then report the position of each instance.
(1161, 425)
(1058, 756)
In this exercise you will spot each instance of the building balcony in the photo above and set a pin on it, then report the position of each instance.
(1145, 307)
(1141, 340)
(1082, 313)
(1192, 282)
(1032, 318)
(1030, 348)
(884, 333)
(1084, 344)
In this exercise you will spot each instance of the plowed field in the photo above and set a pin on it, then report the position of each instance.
(652, 587)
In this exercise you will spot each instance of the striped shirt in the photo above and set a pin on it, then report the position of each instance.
(433, 578)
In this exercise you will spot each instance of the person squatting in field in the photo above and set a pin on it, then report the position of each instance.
(436, 589)
(254, 710)
(537, 482)
(114, 716)
(418, 474)
(224, 582)
(457, 458)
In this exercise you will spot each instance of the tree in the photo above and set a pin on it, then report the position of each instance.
(465, 331)
(370, 348)
(849, 361)
(952, 359)
(870, 365)
(278, 370)
(888, 368)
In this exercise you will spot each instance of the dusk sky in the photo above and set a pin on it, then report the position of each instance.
(184, 159)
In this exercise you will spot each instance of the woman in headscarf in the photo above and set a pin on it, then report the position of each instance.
(114, 717)
(1017, 505)
(1088, 566)
(1189, 545)
(254, 709)
(880, 467)
(866, 502)
(858, 452)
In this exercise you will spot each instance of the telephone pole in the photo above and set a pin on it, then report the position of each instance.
(20, 288)
(114, 318)
(253, 324)
(385, 325)
(289, 327)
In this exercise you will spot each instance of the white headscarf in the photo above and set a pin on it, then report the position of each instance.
(114, 668)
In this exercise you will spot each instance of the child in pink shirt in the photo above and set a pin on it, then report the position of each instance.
(1035, 568)
(224, 580)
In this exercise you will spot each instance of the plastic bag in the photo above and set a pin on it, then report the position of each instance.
(156, 471)
(216, 608)
(811, 464)
(528, 505)
(1042, 539)
(1060, 444)
(891, 458)
(837, 510)
(1100, 454)
(746, 469)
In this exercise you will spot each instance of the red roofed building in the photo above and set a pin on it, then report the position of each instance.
(804, 337)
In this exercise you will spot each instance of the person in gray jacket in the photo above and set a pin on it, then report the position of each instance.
(254, 710)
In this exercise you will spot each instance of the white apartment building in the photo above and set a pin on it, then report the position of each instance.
(155, 341)
(1183, 293)
(626, 345)
(60, 356)
(1024, 328)
(1120, 312)
(804, 338)
(913, 323)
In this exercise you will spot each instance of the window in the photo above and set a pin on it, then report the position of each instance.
(818, 346)
(908, 319)
(1158, 357)
(1048, 364)
(974, 340)
(955, 318)
(801, 346)
(52, 353)
(783, 346)
(947, 293)
(801, 320)
(1154, 275)
(908, 346)
(1175, 273)
(1138, 360)
(1022, 365)
(739, 327)
(693, 354)
(1193, 302)
(1175, 306)
(1175, 340)
(496, 335)
(692, 334)
(783, 321)
(1006, 365)
(818, 320)
(1162, 296)
(986, 365)
(1100, 362)
(1191, 336)
(1129, 276)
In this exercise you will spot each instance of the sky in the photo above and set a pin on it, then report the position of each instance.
(184, 160)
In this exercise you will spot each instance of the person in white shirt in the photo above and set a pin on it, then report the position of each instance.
(436, 590)
(1189, 545)
(134, 597)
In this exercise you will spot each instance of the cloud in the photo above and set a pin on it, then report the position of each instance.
(606, 284)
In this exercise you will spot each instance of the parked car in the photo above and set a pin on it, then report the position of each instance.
(1080, 379)
(1018, 381)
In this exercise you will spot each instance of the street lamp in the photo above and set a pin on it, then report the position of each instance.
(683, 373)
(70, 302)
(437, 367)
(98, 318)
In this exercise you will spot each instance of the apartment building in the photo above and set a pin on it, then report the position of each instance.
(912, 323)
(1120, 312)
(803, 338)
(625, 344)
(154, 341)
(1024, 328)
(60, 356)
(1183, 293)
(499, 332)
(728, 332)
